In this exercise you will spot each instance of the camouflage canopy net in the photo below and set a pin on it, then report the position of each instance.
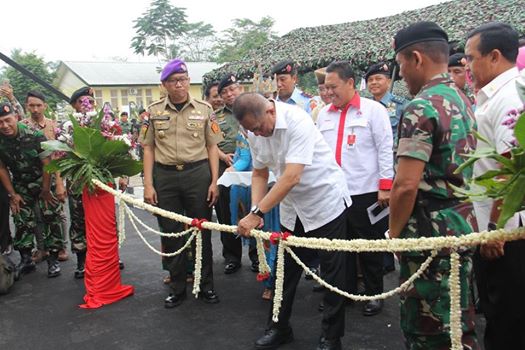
(366, 42)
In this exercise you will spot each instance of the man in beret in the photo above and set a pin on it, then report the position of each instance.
(378, 80)
(287, 90)
(491, 52)
(422, 201)
(181, 168)
(29, 190)
(457, 70)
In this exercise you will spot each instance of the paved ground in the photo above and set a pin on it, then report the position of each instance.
(42, 313)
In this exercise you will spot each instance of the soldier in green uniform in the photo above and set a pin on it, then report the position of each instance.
(125, 124)
(181, 166)
(458, 72)
(435, 133)
(30, 190)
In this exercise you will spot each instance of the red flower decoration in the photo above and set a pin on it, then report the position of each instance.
(198, 223)
(274, 237)
(285, 235)
(263, 276)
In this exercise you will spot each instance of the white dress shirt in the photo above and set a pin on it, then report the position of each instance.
(365, 143)
(494, 102)
(321, 194)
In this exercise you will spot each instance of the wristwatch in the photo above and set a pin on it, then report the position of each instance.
(255, 210)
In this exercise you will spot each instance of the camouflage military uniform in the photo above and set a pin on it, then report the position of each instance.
(22, 155)
(77, 229)
(436, 127)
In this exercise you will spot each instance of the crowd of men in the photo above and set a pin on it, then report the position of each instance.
(342, 163)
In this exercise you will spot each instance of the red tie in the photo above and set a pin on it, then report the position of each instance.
(340, 134)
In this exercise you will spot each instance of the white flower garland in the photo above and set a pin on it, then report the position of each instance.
(132, 216)
(279, 282)
(263, 264)
(198, 264)
(121, 222)
(456, 333)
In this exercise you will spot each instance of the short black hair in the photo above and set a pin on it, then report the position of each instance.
(207, 91)
(36, 94)
(342, 68)
(497, 36)
(249, 103)
(124, 113)
(437, 51)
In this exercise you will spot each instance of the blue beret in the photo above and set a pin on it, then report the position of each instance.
(83, 91)
(417, 33)
(5, 109)
(174, 66)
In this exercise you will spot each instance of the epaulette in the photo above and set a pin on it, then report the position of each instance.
(399, 100)
(202, 103)
(155, 103)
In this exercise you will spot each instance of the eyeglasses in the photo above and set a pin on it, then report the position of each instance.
(176, 81)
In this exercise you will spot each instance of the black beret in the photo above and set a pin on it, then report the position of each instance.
(457, 60)
(6, 109)
(83, 91)
(417, 33)
(378, 68)
(227, 80)
(284, 67)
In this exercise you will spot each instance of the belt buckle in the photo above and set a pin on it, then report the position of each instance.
(179, 167)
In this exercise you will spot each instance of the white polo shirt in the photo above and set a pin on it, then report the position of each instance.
(321, 195)
(494, 102)
(361, 138)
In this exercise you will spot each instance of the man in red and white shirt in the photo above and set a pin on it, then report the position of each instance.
(359, 132)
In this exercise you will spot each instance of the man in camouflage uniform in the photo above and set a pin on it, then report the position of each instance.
(458, 72)
(436, 130)
(30, 192)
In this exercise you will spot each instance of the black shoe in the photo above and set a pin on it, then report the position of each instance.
(318, 288)
(329, 344)
(174, 300)
(274, 337)
(321, 306)
(231, 268)
(120, 265)
(81, 262)
(209, 297)
(53, 266)
(373, 307)
(314, 270)
(255, 267)
(26, 264)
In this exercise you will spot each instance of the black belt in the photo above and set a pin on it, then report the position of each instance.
(181, 167)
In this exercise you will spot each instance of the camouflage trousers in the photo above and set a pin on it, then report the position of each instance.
(31, 213)
(77, 229)
(425, 306)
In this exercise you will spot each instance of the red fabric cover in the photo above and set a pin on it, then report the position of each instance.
(385, 184)
(102, 276)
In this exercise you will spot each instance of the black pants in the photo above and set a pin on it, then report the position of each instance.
(501, 286)
(333, 265)
(231, 245)
(5, 232)
(184, 192)
(359, 226)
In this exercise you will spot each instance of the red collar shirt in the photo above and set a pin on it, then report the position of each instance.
(360, 136)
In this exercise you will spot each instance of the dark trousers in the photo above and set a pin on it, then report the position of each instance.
(359, 226)
(231, 245)
(333, 265)
(501, 286)
(5, 232)
(184, 192)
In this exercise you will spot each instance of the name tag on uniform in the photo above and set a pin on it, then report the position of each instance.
(196, 117)
(351, 139)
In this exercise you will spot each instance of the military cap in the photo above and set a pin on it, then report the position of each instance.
(284, 67)
(227, 80)
(378, 68)
(320, 75)
(417, 33)
(174, 66)
(6, 109)
(457, 60)
(83, 91)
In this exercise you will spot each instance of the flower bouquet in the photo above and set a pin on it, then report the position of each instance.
(508, 181)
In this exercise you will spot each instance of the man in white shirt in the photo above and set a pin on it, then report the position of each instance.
(359, 133)
(285, 140)
(491, 52)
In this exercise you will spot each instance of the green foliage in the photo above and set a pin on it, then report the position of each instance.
(198, 42)
(91, 157)
(36, 65)
(243, 37)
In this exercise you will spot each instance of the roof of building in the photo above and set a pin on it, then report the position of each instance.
(366, 42)
(131, 73)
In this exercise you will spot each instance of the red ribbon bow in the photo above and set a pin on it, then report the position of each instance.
(263, 276)
(198, 223)
(275, 237)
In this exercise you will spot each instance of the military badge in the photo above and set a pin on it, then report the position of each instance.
(215, 127)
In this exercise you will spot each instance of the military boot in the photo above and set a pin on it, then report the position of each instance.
(81, 261)
(26, 264)
(53, 266)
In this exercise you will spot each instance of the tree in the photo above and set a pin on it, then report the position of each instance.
(199, 42)
(36, 65)
(157, 30)
(245, 35)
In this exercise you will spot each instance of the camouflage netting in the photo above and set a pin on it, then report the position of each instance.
(366, 42)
